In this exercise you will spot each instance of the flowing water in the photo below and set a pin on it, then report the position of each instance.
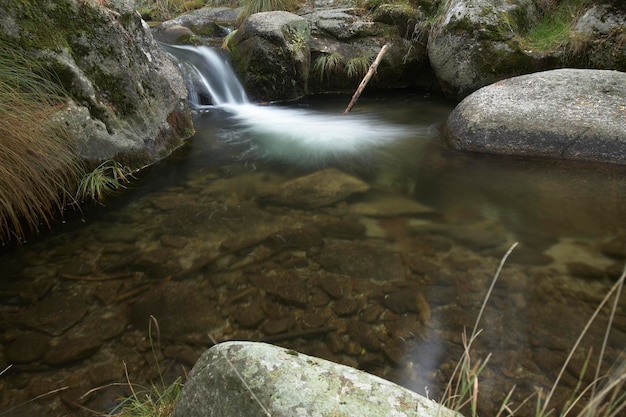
(358, 238)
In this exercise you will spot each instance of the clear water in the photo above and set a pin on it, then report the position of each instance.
(375, 281)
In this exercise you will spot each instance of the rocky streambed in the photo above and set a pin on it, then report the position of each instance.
(373, 268)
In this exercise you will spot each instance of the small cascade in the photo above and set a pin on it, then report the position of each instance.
(293, 135)
(209, 78)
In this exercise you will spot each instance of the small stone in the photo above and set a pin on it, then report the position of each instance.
(582, 270)
(334, 342)
(345, 307)
(72, 350)
(249, 316)
(27, 348)
(272, 327)
(331, 286)
(616, 248)
(371, 313)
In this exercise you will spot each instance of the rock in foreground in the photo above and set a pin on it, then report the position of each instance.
(569, 114)
(287, 383)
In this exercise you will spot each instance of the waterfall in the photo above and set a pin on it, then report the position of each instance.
(209, 78)
(294, 135)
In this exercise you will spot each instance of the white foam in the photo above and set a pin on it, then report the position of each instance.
(300, 135)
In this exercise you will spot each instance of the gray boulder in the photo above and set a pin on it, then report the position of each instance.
(598, 37)
(127, 99)
(198, 26)
(473, 44)
(255, 379)
(271, 53)
(566, 114)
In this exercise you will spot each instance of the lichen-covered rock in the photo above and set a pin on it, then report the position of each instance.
(255, 379)
(473, 44)
(566, 114)
(127, 99)
(271, 53)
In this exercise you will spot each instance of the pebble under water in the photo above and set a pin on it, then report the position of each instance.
(212, 244)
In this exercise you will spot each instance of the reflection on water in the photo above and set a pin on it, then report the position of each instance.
(212, 243)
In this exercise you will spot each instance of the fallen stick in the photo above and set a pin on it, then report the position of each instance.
(367, 77)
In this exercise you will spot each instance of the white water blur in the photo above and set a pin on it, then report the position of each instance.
(309, 137)
(291, 135)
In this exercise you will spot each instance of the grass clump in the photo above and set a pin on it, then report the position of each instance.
(107, 178)
(555, 27)
(357, 67)
(153, 401)
(38, 167)
(327, 64)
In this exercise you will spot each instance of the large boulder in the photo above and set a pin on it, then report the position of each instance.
(255, 379)
(566, 114)
(473, 44)
(127, 99)
(271, 53)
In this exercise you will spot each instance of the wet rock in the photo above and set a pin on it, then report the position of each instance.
(345, 307)
(286, 286)
(27, 348)
(334, 342)
(404, 301)
(173, 241)
(322, 188)
(180, 308)
(120, 233)
(420, 265)
(249, 316)
(344, 227)
(182, 353)
(55, 314)
(582, 270)
(480, 235)
(69, 350)
(157, 263)
(360, 260)
(331, 286)
(615, 248)
(525, 255)
(272, 327)
(284, 381)
(366, 335)
(314, 320)
(388, 205)
(371, 313)
(395, 350)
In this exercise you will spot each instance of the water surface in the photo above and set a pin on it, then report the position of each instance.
(384, 280)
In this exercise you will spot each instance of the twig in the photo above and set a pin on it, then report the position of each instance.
(367, 78)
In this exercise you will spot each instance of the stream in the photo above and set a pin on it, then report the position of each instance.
(360, 239)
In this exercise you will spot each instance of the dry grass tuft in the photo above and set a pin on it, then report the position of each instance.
(38, 168)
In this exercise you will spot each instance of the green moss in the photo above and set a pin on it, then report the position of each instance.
(555, 28)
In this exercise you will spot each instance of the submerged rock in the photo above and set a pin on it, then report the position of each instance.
(250, 379)
(566, 114)
(319, 189)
